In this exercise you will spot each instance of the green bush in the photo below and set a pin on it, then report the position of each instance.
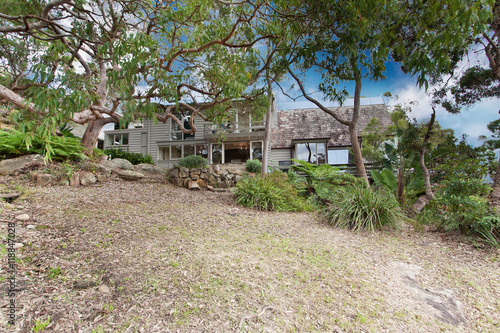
(269, 192)
(193, 161)
(134, 158)
(461, 205)
(13, 143)
(359, 207)
(254, 166)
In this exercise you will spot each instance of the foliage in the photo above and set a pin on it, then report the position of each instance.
(323, 179)
(15, 143)
(358, 207)
(461, 205)
(40, 325)
(73, 65)
(192, 161)
(271, 192)
(254, 166)
(134, 158)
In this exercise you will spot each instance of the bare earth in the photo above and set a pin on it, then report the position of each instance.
(149, 257)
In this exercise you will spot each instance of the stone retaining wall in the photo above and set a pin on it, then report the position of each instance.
(216, 176)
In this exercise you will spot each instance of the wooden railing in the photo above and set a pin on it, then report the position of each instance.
(230, 128)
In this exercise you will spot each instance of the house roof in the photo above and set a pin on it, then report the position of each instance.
(298, 124)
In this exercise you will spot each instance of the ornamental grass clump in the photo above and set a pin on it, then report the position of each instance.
(358, 207)
(270, 192)
(193, 161)
(254, 166)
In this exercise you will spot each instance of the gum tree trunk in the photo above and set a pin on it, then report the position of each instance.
(94, 127)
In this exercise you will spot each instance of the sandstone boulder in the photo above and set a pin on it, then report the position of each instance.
(130, 175)
(14, 164)
(149, 169)
(118, 163)
(88, 179)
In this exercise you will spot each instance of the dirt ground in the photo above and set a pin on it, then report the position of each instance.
(149, 257)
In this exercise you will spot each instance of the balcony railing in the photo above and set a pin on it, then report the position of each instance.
(237, 128)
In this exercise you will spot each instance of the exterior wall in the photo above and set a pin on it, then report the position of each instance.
(278, 155)
(135, 141)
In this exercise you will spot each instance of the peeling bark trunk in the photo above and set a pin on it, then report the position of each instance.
(356, 151)
(89, 139)
(429, 194)
(267, 133)
(495, 193)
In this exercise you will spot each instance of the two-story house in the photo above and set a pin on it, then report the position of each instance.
(306, 134)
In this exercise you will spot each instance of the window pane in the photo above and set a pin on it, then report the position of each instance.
(124, 139)
(321, 152)
(186, 126)
(216, 154)
(176, 151)
(173, 126)
(257, 150)
(338, 156)
(306, 152)
(164, 153)
(117, 140)
(188, 150)
(176, 136)
(202, 150)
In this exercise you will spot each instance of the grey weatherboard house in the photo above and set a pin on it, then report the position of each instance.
(306, 134)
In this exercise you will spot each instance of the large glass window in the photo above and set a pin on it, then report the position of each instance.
(216, 154)
(202, 150)
(256, 150)
(119, 139)
(312, 152)
(338, 156)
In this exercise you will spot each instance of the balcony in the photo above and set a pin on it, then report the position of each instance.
(253, 130)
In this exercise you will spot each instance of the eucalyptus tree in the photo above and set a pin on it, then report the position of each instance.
(111, 61)
(351, 41)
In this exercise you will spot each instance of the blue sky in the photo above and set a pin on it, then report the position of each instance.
(471, 122)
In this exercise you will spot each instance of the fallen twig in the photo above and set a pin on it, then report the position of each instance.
(242, 321)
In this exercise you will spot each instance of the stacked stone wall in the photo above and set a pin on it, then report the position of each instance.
(215, 176)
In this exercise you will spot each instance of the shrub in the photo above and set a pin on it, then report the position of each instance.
(134, 158)
(254, 166)
(269, 192)
(13, 143)
(461, 205)
(359, 207)
(192, 161)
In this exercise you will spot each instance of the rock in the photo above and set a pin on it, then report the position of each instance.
(185, 182)
(129, 175)
(213, 189)
(9, 197)
(74, 180)
(101, 177)
(104, 289)
(149, 169)
(14, 164)
(83, 284)
(18, 245)
(237, 178)
(194, 177)
(183, 172)
(177, 181)
(23, 217)
(202, 183)
(88, 179)
(40, 179)
(174, 173)
(118, 163)
(64, 182)
(193, 186)
(31, 226)
(196, 172)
